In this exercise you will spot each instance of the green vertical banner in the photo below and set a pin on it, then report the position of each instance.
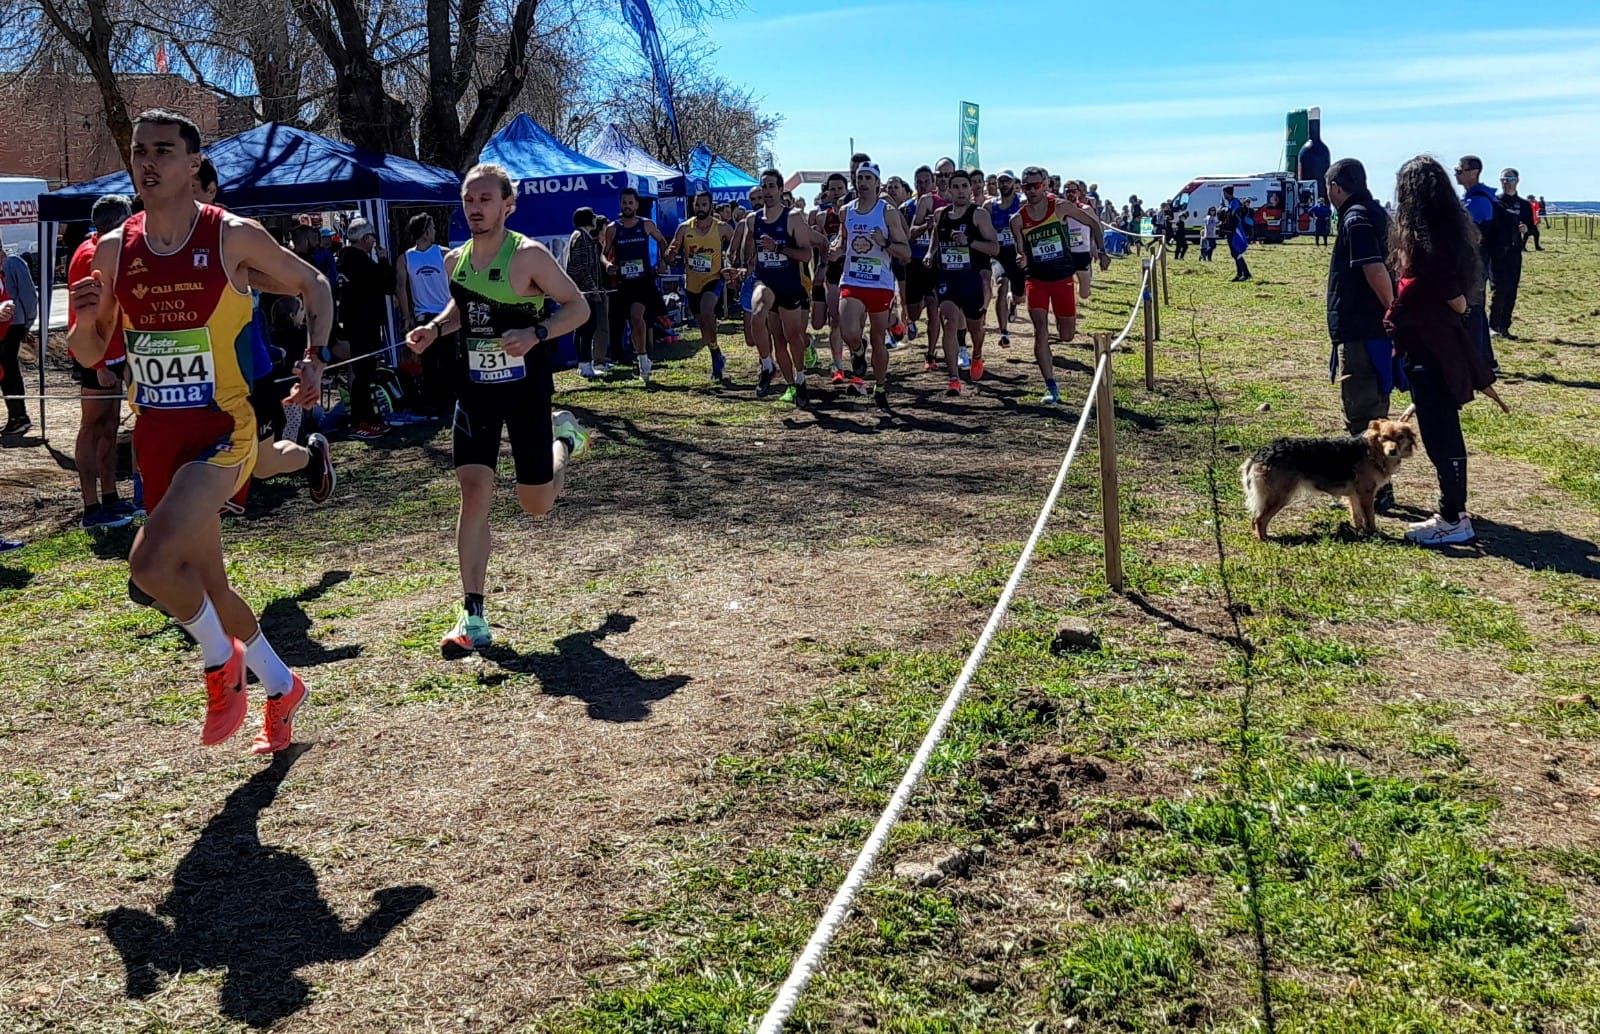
(969, 135)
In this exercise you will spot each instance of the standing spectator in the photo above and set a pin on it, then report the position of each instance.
(1478, 200)
(1208, 235)
(18, 286)
(1180, 236)
(100, 407)
(1237, 222)
(1360, 291)
(1513, 223)
(1435, 252)
(423, 289)
(1537, 205)
(1321, 218)
(366, 279)
(586, 265)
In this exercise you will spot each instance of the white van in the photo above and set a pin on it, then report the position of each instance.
(19, 213)
(1275, 197)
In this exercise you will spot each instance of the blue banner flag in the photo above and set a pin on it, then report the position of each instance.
(637, 14)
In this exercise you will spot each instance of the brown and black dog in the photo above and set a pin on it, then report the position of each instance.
(1353, 468)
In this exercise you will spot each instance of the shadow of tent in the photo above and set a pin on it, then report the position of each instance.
(250, 910)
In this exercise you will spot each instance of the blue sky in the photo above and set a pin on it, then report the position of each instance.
(1205, 94)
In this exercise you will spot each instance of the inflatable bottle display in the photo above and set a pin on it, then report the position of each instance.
(1295, 134)
(1314, 160)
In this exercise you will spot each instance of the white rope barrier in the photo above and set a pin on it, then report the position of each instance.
(844, 897)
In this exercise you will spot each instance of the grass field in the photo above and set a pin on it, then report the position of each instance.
(1371, 805)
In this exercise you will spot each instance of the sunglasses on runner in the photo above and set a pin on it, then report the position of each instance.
(1037, 185)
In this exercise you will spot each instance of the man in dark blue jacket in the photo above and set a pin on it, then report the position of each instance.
(1478, 199)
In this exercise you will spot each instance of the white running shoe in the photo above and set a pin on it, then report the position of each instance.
(644, 369)
(1436, 531)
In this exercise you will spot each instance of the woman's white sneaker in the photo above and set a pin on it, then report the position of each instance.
(1436, 531)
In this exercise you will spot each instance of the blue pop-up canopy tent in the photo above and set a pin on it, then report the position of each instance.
(613, 147)
(552, 181)
(271, 167)
(725, 180)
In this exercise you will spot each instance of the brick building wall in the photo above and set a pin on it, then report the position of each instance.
(54, 127)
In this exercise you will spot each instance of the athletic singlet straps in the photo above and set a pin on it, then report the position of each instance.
(865, 263)
(489, 306)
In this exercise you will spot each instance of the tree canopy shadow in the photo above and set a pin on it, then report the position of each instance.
(250, 910)
(608, 685)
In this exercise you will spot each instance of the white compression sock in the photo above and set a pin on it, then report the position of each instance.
(263, 660)
(216, 646)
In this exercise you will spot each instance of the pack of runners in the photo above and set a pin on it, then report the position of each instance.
(170, 288)
(871, 260)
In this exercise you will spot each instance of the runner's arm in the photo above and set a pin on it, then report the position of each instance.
(654, 233)
(802, 243)
(986, 243)
(93, 298)
(899, 243)
(535, 271)
(677, 242)
(1020, 244)
(402, 289)
(608, 238)
(261, 254)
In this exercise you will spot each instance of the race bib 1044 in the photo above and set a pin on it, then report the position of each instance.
(487, 362)
(172, 369)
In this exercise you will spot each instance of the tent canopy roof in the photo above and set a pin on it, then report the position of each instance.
(279, 166)
(613, 146)
(717, 172)
(528, 151)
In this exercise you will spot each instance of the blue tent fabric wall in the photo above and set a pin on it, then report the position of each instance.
(725, 180)
(278, 166)
(552, 181)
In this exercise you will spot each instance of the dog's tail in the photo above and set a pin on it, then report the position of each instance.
(1252, 489)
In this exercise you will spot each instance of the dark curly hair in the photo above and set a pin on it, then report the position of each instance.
(1431, 230)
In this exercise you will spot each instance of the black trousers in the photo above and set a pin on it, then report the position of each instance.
(361, 377)
(439, 373)
(11, 381)
(1507, 278)
(1439, 420)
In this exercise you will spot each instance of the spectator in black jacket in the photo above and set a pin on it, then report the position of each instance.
(1507, 269)
(366, 279)
(1360, 291)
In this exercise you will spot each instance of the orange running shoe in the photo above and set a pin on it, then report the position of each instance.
(277, 729)
(226, 702)
(977, 370)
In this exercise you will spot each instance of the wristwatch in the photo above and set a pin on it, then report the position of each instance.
(541, 331)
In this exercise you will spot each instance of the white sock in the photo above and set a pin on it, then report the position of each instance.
(263, 660)
(767, 365)
(216, 646)
(800, 378)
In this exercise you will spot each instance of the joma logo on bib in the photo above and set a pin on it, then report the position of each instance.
(172, 369)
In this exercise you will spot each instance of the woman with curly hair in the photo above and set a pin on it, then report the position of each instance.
(1434, 252)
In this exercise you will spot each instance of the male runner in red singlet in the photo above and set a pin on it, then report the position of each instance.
(176, 278)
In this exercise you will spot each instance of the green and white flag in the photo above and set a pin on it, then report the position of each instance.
(969, 135)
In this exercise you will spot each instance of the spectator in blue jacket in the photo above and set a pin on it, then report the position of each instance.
(1478, 199)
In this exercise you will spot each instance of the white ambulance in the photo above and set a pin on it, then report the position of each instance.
(1274, 196)
(19, 213)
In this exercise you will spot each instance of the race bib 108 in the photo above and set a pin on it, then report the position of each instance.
(488, 363)
(172, 369)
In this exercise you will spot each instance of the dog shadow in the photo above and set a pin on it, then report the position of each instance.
(252, 911)
(611, 689)
(1535, 550)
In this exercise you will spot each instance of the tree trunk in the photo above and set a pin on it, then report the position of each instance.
(94, 45)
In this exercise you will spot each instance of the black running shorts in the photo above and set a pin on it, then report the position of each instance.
(522, 410)
(1013, 271)
(967, 293)
(920, 282)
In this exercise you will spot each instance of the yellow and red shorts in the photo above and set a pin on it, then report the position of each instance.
(166, 440)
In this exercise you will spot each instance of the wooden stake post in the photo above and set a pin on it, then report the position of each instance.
(1166, 295)
(1106, 415)
(1149, 343)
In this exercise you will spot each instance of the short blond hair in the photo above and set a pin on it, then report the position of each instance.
(492, 171)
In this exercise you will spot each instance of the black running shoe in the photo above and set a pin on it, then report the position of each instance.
(880, 396)
(319, 471)
(858, 363)
(764, 382)
(801, 398)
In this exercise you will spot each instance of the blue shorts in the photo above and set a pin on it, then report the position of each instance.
(714, 289)
(747, 296)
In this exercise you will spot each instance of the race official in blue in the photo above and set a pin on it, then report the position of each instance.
(1478, 199)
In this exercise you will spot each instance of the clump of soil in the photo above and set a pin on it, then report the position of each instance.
(1033, 789)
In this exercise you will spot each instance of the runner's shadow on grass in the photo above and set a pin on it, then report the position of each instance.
(1535, 550)
(288, 627)
(12, 578)
(613, 691)
(113, 543)
(250, 910)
